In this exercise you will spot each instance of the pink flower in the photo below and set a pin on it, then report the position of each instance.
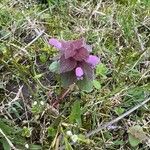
(79, 73)
(93, 60)
(55, 42)
(75, 59)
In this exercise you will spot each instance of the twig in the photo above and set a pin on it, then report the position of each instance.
(139, 39)
(71, 87)
(55, 104)
(96, 9)
(20, 48)
(38, 36)
(137, 34)
(25, 107)
(117, 119)
(16, 97)
(37, 30)
(9, 142)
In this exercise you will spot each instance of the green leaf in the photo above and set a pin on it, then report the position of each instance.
(137, 93)
(67, 144)
(101, 69)
(83, 139)
(119, 110)
(18, 105)
(5, 144)
(133, 141)
(51, 132)
(54, 67)
(136, 135)
(85, 85)
(96, 84)
(75, 116)
(12, 131)
(26, 132)
(35, 147)
(15, 111)
(43, 57)
(37, 76)
(118, 142)
(6, 129)
(67, 79)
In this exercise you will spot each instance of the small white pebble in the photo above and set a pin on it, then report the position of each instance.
(69, 133)
(27, 146)
(42, 103)
(24, 121)
(74, 138)
(35, 103)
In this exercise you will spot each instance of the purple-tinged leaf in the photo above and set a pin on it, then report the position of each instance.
(68, 78)
(85, 85)
(77, 44)
(68, 49)
(82, 54)
(88, 70)
(67, 64)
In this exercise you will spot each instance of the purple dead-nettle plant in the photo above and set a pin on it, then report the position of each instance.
(74, 64)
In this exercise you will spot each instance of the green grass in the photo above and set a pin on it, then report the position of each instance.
(119, 33)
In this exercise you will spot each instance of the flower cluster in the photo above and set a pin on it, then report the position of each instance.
(75, 61)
